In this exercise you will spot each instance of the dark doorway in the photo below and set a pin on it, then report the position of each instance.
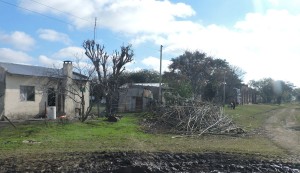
(61, 103)
(51, 97)
(139, 104)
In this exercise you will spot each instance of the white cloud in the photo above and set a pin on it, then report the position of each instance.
(129, 16)
(49, 62)
(147, 16)
(54, 36)
(70, 53)
(18, 40)
(9, 55)
(264, 43)
(290, 5)
(154, 63)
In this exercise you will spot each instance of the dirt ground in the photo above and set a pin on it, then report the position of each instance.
(284, 130)
(130, 162)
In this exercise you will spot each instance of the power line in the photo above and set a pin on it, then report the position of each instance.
(59, 20)
(66, 13)
(53, 18)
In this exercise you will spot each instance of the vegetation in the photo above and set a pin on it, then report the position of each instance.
(251, 117)
(272, 91)
(141, 76)
(128, 135)
(203, 76)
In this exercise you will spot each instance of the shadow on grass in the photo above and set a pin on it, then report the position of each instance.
(296, 128)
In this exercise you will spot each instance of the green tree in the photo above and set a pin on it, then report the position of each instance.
(181, 85)
(204, 74)
(273, 91)
(141, 76)
(296, 94)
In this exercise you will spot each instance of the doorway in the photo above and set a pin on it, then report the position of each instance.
(51, 97)
(139, 104)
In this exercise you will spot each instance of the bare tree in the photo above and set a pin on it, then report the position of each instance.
(108, 69)
(65, 86)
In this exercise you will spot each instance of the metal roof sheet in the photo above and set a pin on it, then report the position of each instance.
(30, 70)
(155, 85)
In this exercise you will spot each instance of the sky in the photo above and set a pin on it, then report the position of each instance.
(262, 37)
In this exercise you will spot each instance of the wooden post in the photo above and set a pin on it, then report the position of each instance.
(9, 121)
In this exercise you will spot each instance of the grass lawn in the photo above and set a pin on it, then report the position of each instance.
(126, 135)
(251, 116)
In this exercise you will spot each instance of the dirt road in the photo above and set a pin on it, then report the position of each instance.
(284, 129)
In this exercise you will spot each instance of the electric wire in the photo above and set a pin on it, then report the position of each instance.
(53, 18)
(66, 13)
(59, 20)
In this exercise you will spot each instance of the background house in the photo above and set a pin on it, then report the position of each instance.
(26, 91)
(136, 97)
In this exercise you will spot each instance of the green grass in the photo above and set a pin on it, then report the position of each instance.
(251, 116)
(298, 118)
(127, 135)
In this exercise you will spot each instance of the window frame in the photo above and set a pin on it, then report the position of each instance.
(27, 93)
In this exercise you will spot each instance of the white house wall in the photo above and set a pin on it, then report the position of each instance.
(17, 109)
(14, 108)
(2, 90)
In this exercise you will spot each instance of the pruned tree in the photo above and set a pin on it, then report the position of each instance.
(108, 69)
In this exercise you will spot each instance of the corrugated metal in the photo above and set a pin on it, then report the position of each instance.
(29, 70)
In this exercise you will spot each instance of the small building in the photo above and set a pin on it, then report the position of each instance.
(136, 97)
(27, 91)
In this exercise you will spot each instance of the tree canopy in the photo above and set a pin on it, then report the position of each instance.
(202, 76)
(141, 76)
(272, 91)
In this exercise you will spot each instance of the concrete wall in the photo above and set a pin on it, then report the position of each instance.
(17, 109)
(2, 90)
(69, 86)
(14, 108)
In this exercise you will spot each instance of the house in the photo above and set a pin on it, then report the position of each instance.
(136, 97)
(27, 91)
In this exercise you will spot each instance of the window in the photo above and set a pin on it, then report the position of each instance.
(27, 93)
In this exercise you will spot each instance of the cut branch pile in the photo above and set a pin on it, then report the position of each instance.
(196, 119)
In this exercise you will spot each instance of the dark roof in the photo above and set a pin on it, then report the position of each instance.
(30, 70)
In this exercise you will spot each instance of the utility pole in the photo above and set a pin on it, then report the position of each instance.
(95, 28)
(224, 84)
(98, 99)
(160, 78)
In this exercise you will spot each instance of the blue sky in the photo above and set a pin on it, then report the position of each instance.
(262, 37)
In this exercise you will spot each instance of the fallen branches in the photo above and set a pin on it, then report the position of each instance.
(195, 119)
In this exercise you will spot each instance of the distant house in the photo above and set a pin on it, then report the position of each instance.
(26, 91)
(249, 95)
(136, 97)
